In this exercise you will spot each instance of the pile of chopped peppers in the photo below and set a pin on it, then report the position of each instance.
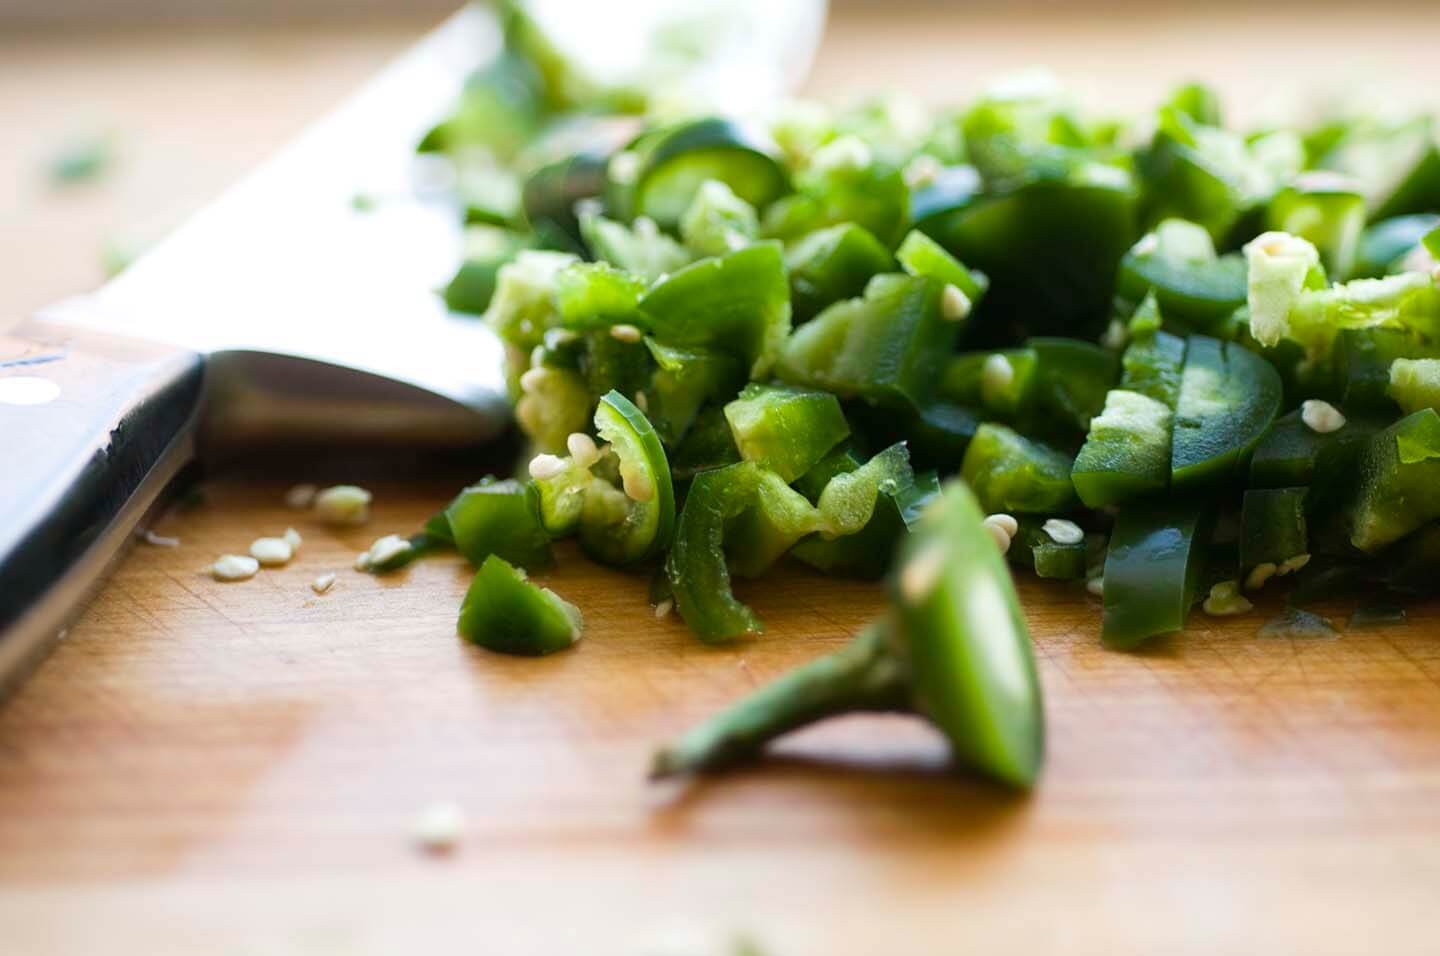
(1175, 368)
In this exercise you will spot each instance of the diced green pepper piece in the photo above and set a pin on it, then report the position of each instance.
(833, 264)
(596, 295)
(1385, 245)
(1273, 528)
(1191, 283)
(1415, 384)
(1127, 451)
(708, 444)
(872, 195)
(1328, 210)
(779, 517)
(634, 522)
(697, 567)
(718, 221)
(867, 553)
(1033, 548)
(786, 430)
(500, 518)
(504, 612)
(487, 249)
(1070, 381)
(1153, 566)
(552, 406)
(737, 303)
(1001, 383)
(683, 381)
(679, 161)
(1228, 398)
(613, 364)
(1050, 249)
(1362, 361)
(523, 306)
(1213, 176)
(922, 256)
(1010, 473)
(1290, 452)
(641, 249)
(887, 348)
(1399, 482)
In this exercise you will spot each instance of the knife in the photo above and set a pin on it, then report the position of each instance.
(279, 313)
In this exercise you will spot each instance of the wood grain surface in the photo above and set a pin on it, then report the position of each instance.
(236, 768)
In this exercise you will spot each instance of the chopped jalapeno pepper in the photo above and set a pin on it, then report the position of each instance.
(887, 348)
(738, 303)
(956, 651)
(786, 430)
(1152, 568)
(677, 163)
(501, 518)
(833, 264)
(1127, 452)
(506, 613)
(1228, 398)
(1191, 283)
(1032, 547)
(1399, 481)
(1273, 527)
(634, 522)
(1010, 473)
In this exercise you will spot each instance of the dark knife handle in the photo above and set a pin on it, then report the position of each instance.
(92, 429)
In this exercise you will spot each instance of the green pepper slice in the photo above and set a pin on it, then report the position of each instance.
(633, 523)
(1399, 482)
(501, 518)
(1152, 569)
(1328, 210)
(832, 264)
(504, 612)
(1228, 398)
(786, 430)
(922, 256)
(1050, 249)
(1010, 473)
(677, 162)
(737, 303)
(683, 381)
(973, 668)
(1362, 360)
(867, 553)
(1191, 283)
(1033, 548)
(955, 651)
(697, 567)
(1273, 527)
(1127, 451)
(596, 295)
(887, 348)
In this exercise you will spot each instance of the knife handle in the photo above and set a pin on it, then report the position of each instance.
(92, 429)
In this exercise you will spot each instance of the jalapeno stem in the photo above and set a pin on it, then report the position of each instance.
(865, 675)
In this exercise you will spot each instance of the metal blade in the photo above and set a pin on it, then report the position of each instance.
(284, 264)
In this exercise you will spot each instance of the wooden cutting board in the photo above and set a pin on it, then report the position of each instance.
(243, 762)
(236, 768)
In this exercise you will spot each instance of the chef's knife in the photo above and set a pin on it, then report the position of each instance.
(280, 312)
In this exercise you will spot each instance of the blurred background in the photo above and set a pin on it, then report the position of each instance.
(121, 117)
